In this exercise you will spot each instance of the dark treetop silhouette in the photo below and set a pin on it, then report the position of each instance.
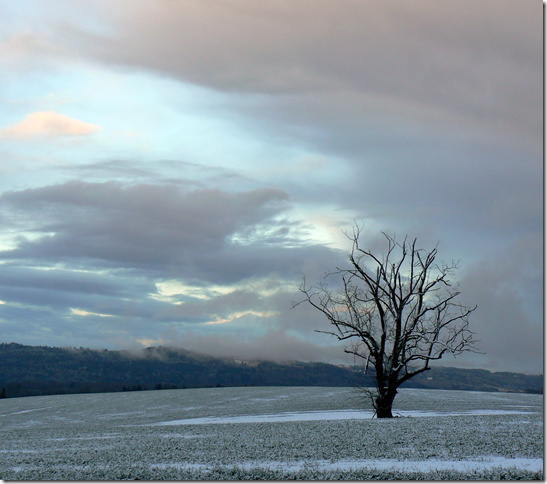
(398, 312)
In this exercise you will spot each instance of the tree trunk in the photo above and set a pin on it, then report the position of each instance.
(383, 406)
(384, 413)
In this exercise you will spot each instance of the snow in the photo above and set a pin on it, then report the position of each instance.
(486, 463)
(323, 415)
(533, 465)
(308, 433)
(24, 411)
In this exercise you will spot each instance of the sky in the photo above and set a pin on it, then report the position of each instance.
(170, 170)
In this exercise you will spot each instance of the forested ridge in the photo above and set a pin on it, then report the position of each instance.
(42, 370)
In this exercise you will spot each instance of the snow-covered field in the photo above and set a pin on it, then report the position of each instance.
(270, 433)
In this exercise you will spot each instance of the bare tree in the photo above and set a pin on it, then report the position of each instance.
(398, 312)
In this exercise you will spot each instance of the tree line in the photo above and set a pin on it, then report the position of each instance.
(41, 370)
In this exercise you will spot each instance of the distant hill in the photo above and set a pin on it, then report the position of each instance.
(41, 370)
(448, 378)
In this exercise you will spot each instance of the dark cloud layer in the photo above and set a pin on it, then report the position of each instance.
(92, 253)
(478, 60)
(160, 229)
(136, 225)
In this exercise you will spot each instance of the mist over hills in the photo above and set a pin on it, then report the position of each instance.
(41, 370)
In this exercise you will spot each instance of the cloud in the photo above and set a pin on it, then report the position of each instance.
(460, 59)
(508, 289)
(47, 124)
(160, 260)
(162, 229)
(275, 344)
(412, 116)
(431, 113)
(82, 312)
(45, 286)
(28, 49)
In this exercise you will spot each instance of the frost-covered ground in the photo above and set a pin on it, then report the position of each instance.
(270, 433)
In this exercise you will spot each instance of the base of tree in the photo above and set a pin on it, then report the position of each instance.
(383, 404)
(384, 413)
